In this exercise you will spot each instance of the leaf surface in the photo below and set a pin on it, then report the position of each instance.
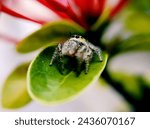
(46, 83)
(52, 33)
(14, 93)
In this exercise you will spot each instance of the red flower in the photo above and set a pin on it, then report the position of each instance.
(83, 12)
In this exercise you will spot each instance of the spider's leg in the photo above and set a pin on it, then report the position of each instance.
(59, 52)
(54, 56)
(79, 64)
(96, 50)
(87, 63)
(79, 55)
(88, 55)
(61, 61)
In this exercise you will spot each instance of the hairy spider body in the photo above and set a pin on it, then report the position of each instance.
(77, 47)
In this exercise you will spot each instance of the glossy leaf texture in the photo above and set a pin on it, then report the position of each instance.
(134, 43)
(14, 92)
(52, 33)
(48, 85)
(134, 85)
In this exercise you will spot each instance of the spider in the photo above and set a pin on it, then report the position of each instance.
(77, 47)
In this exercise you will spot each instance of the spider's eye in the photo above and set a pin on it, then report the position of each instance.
(81, 37)
(77, 36)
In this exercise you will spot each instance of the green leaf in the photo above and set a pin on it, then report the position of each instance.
(136, 21)
(142, 5)
(135, 43)
(51, 33)
(146, 80)
(132, 84)
(46, 83)
(131, 23)
(14, 93)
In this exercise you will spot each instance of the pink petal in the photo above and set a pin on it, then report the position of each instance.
(13, 13)
(75, 13)
(0, 7)
(28, 9)
(59, 4)
(54, 9)
(82, 4)
(8, 38)
(66, 10)
(91, 7)
(96, 7)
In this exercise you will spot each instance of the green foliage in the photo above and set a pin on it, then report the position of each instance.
(133, 32)
(136, 21)
(52, 33)
(136, 89)
(46, 83)
(14, 93)
(134, 43)
(142, 5)
(130, 83)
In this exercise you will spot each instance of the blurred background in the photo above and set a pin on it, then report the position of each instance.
(98, 97)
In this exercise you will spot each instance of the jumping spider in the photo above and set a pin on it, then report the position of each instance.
(77, 47)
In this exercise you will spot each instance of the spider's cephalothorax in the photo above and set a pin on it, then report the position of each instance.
(78, 47)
